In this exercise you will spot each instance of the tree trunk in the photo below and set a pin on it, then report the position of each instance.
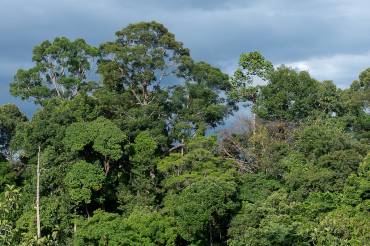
(182, 147)
(210, 234)
(87, 211)
(75, 225)
(56, 87)
(106, 166)
(145, 92)
(38, 195)
(254, 123)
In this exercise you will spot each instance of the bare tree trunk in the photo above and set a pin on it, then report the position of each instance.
(254, 123)
(87, 211)
(182, 147)
(74, 225)
(38, 195)
(106, 166)
(53, 79)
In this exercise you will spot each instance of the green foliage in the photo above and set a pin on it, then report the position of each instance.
(56, 216)
(82, 179)
(323, 183)
(141, 188)
(142, 55)
(108, 139)
(7, 175)
(343, 226)
(104, 136)
(357, 189)
(201, 190)
(143, 162)
(10, 117)
(144, 148)
(128, 159)
(48, 125)
(257, 187)
(307, 178)
(252, 66)
(362, 87)
(330, 99)
(200, 205)
(141, 227)
(320, 138)
(332, 156)
(198, 104)
(60, 71)
(289, 95)
(9, 206)
(268, 222)
(199, 161)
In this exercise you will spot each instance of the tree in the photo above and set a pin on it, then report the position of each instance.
(330, 99)
(37, 205)
(140, 58)
(258, 149)
(357, 189)
(143, 162)
(318, 138)
(252, 66)
(348, 222)
(82, 179)
(131, 161)
(362, 87)
(7, 175)
(8, 210)
(61, 71)
(343, 226)
(200, 187)
(201, 208)
(141, 227)
(356, 100)
(10, 117)
(198, 104)
(104, 136)
(199, 160)
(289, 95)
(270, 221)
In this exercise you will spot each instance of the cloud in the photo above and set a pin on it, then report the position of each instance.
(341, 68)
(217, 31)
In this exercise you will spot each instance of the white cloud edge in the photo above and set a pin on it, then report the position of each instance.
(342, 69)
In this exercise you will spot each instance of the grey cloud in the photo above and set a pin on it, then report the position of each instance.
(217, 31)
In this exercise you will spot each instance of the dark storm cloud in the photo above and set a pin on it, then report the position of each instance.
(330, 38)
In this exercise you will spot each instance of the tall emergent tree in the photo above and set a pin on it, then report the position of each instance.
(61, 70)
(140, 59)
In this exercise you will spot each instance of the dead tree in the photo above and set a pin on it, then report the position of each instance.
(38, 195)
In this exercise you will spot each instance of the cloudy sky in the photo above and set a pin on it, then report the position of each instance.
(330, 38)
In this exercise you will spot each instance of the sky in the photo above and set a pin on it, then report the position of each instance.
(329, 38)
